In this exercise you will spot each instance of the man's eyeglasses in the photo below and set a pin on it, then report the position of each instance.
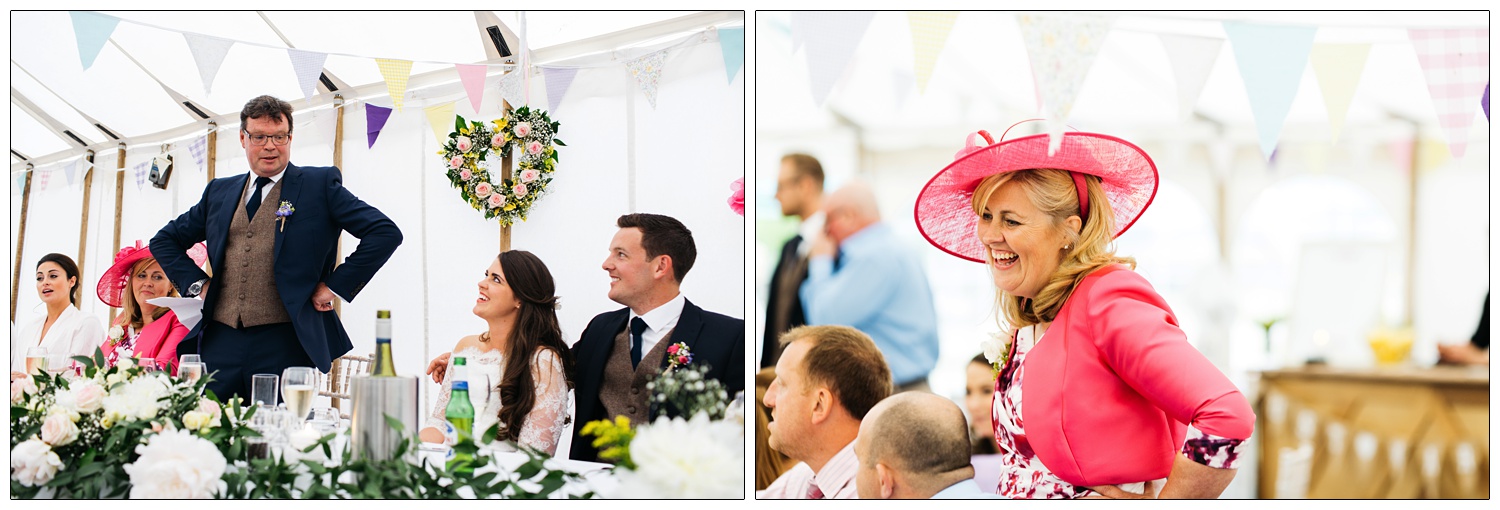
(261, 139)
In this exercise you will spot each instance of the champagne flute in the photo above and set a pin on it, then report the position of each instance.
(191, 371)
(36, 360)
(297, 387)
(190, 358)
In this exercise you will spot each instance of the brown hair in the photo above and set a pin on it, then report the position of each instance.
(847, 361)
(769, 463)
(536, 329)
(130, 311)
(806, 166)
(267, 106)
(1054, 193)
(664, 235)
(70, 270)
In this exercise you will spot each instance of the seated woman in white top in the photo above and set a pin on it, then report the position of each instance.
(64, 331)
(530, 365)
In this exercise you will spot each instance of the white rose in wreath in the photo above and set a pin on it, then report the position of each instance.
(33, 463)
(483, 189)
(529, 175)
(464, 144)
(59, 430)
(176, 464)
(523, 129)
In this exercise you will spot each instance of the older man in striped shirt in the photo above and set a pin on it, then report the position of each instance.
(828, 377)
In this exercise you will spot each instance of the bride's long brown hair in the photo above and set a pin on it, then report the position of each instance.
(536, 328)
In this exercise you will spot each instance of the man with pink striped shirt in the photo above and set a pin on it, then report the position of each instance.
(827, 379)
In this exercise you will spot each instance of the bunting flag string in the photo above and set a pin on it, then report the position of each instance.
(1338, 68)
(1192, 60)
(510, 88)
(375, 117)
(208, 52)
(21, 182)
(440, 120)
(558, 81)
(831, 39)
(929, 33)
(732, 45)
(308, 66)
(1486, 101)
(395, 72)
(647, 73)
(91, 31)
(43, 176)
(199, 150)
(1062, 50)
(1456, 65)
(1271, 59)
(71, 169)
(140, 174)
(473, 77)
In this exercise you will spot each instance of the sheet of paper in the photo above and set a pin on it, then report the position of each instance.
(189, 310)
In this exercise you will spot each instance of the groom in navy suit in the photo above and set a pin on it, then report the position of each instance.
(272, 239)
(620, 351)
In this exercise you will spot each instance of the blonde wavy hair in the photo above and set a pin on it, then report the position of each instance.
(130, 311)
(1053, 192)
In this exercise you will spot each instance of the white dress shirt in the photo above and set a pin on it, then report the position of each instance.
(250, 186)
(74, 334)
(659, 321)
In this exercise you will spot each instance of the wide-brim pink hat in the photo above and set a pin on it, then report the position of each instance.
(945, 212)
(117, 278)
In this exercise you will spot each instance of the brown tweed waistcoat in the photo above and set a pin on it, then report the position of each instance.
(247, 282)
(623, 391)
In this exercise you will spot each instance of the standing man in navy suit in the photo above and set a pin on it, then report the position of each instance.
(272, 239)
(620, 351)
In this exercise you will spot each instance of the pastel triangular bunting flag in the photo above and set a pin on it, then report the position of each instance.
(208, 52)
(21, 182)
(199, 150)
(71, 169)
(395, 72)
(1338, 68)
(440, 119)
(140, 174)
(308, 65)
(473, 78)
(1192, 59)
(1456, 64)
(1062, 50)
(43, 177)
(929, 33)
(831, 39)
(1271, 59)
(92, 30)
(375, 117)
(558, 81)
(510, 88)
(1486, 101)
(732, 45)
(647, 73)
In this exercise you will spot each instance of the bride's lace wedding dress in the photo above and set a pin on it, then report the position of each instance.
(548, 418)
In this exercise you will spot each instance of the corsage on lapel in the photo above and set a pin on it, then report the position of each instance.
(283, 212)
(678, 355)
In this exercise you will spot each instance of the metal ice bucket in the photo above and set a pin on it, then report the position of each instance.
(373, 399)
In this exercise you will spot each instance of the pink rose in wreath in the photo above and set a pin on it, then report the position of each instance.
(464, 144)
(465, 175)
(528, 175)
(496, 200)
(534, 148)
(523, 129)
(483, 189)
(519, 189)
(737, 196)
(455, 162)
(497, 140)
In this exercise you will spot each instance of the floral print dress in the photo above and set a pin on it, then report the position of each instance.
(1022, 474)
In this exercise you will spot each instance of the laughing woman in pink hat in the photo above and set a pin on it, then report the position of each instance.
(1098, 383)
(142, 330)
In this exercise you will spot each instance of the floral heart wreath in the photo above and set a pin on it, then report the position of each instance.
(468, 148)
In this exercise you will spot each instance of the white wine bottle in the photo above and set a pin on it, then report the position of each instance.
(385, 366)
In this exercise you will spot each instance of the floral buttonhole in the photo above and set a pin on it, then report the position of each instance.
(283, 212)
(678, 355)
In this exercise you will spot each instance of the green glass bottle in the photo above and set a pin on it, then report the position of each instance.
(460, 414)
(385, 365)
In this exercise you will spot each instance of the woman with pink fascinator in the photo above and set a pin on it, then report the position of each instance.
(1097, 385)
(142, 330)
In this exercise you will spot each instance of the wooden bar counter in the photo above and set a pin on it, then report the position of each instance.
(1381, 432)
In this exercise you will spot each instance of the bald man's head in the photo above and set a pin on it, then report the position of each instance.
(912, 445)
(849, 210)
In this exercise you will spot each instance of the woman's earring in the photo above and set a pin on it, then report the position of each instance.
(1069, 246)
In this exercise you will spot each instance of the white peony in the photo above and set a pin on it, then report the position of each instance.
(33, 463)
(58, 429)
(677, 458)
(176, 464)
(136, 400)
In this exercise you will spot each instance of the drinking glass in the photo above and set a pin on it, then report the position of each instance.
(189, 358)
(298, 384)
(191, 371)
(257, 448)
(263, 389)
(324, 420)
(57, 363)
(36, 360)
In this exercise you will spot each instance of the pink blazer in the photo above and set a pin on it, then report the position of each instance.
(1108, 397)
(157, 340)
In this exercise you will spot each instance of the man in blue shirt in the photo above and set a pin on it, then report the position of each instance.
(860, 275)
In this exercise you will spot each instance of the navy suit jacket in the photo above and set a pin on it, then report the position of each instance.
(304, 253)
(714, 339)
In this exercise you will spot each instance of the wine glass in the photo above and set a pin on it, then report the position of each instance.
(36, 360)
(189, 358)
(191, 371)
(297, 387)
(324, 419)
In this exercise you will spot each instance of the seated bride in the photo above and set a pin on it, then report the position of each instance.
(520, 369)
